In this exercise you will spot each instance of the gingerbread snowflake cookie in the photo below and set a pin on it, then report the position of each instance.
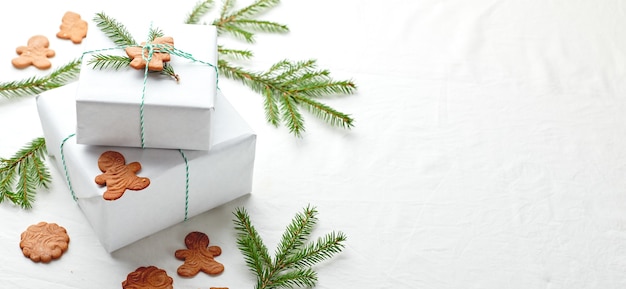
(198, 256)
(137, 54)
(118, 176)
(72, 27)
(44, 241)
(149, 277)
(36, 53)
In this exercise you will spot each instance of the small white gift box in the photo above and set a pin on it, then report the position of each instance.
(112, 107)
(183, 183)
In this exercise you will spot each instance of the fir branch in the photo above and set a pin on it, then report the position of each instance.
(226, 6)
(116, 62)
(35, 85)
(294, 278)
(234, 53)
(291, 115)
(260, 25)
(154, 33)
(325, 112)
(104, 61)
(316, 252)
(168, 70)
(240, 24)
(114, 30)
(237, 32)
(200, 9)
(296, 234)
(255, 8)
(251, 244)
(292, 265)
(23, 173)
(272, 113)
(287, 85)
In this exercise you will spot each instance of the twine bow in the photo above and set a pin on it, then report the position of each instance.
(150, 54)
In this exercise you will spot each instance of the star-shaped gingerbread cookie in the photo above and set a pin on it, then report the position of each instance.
(137, 54)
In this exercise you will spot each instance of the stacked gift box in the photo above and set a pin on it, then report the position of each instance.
(192, 145)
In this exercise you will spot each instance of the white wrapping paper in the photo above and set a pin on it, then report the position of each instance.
(175, 115)
(216, 176)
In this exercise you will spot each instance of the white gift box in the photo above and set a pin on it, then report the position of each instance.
(112, 108)
(215, 177)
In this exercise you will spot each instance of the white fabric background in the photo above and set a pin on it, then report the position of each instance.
(489, 148)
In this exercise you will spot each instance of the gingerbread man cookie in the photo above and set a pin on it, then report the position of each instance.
(158, 58)
(198, 257)
(44, 241)
(72, 27)
(119, 176)
(36, 53)
(149, 277)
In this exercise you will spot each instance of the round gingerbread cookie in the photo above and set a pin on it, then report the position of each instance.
(149, 277)
(44, 242)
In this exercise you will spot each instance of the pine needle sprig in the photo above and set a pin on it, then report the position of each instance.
(234, 53)
(288, 85)
(154, 33)
(105, 61)
(290, 113)
(198, 11)
(114, 30)
(227, 5)
(240, 24)
(260, 25)
(255, 252)
(294, 258)
(35, 85)
(255, 8)
(23, 173)
(294, 279)
(296, 233)
(316, 252)
(168, 70)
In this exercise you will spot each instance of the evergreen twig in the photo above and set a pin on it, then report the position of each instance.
(295, 255)
(169, 71)
(234, 53)
(114, 30)
(155, 33)
(200, 9)
(23, 173)
(106, 61)
(240, 24)
(35, 85)
(287, 85)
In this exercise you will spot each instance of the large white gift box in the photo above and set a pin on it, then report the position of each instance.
(183, 183)
(112, 107)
